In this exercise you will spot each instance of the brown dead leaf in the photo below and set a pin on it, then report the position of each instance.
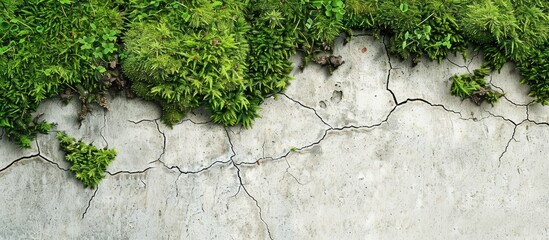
(114, 62)
(103, 103)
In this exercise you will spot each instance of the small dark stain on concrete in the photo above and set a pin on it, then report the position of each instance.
(322, 104)
(336, 96)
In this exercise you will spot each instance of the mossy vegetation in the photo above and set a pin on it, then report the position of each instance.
(48, 47)
(87, 161)
(228, 55)
(474, 87)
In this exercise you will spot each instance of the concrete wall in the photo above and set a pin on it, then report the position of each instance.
(378, 150)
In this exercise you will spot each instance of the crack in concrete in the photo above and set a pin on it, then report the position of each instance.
(516, 125)
(307, 107)
(252, 197)
(164, 140)
(46, 159)
(103, 128)
(193, 122)
(457, 65)
(537, 123)
(507, 145)
(89, 202)
(142, 120)
(129, 172)
(288, 172)
(37, 155)
(195, 171)
(354, 127)
(505, 95)
(241, 186)
(389, 71)
(504, 118)
(18, 160)
(477, 53)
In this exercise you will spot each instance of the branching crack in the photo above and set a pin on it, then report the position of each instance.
(204, 168)
(164, 140)
(537, 123)
(505, 95)
(35, 156)
(89, 202)
(18, 160)
(477, 53)
(195, 171)
(504, 118)
(289, 173)
(389, 72)
(507, 145)
(356, 127)
(307, 107)
(241, 186)
(512, 136)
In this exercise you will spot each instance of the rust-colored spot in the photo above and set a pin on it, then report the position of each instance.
(364, 50)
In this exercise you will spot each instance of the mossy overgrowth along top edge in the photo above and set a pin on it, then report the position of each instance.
(229, 55)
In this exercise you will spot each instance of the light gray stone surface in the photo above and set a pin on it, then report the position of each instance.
(377, 150)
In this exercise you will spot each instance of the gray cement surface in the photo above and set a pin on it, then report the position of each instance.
(377, 150)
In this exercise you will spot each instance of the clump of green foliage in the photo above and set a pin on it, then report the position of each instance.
(513, 30)
(184, 55)
(226, 55)
(49, 46)
(416, 28)
(88, 162)
(473, 86)
(320, 23)
(515, 27)
(535, 73)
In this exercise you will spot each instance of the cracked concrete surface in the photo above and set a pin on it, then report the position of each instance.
(378, 150)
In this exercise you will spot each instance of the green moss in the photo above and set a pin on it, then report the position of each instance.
(87, 162)
(46, 47)
(183, 61)
(535, 72)
(473, 86)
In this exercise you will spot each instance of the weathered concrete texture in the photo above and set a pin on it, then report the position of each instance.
(377, 150)
(40, 201)
(193, 146)
(354, 94)
(9, 151)
(273, 134)
(164, 204)
(125, 129)
(389, 185)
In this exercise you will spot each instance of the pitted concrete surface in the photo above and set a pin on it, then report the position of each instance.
(377, 150)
